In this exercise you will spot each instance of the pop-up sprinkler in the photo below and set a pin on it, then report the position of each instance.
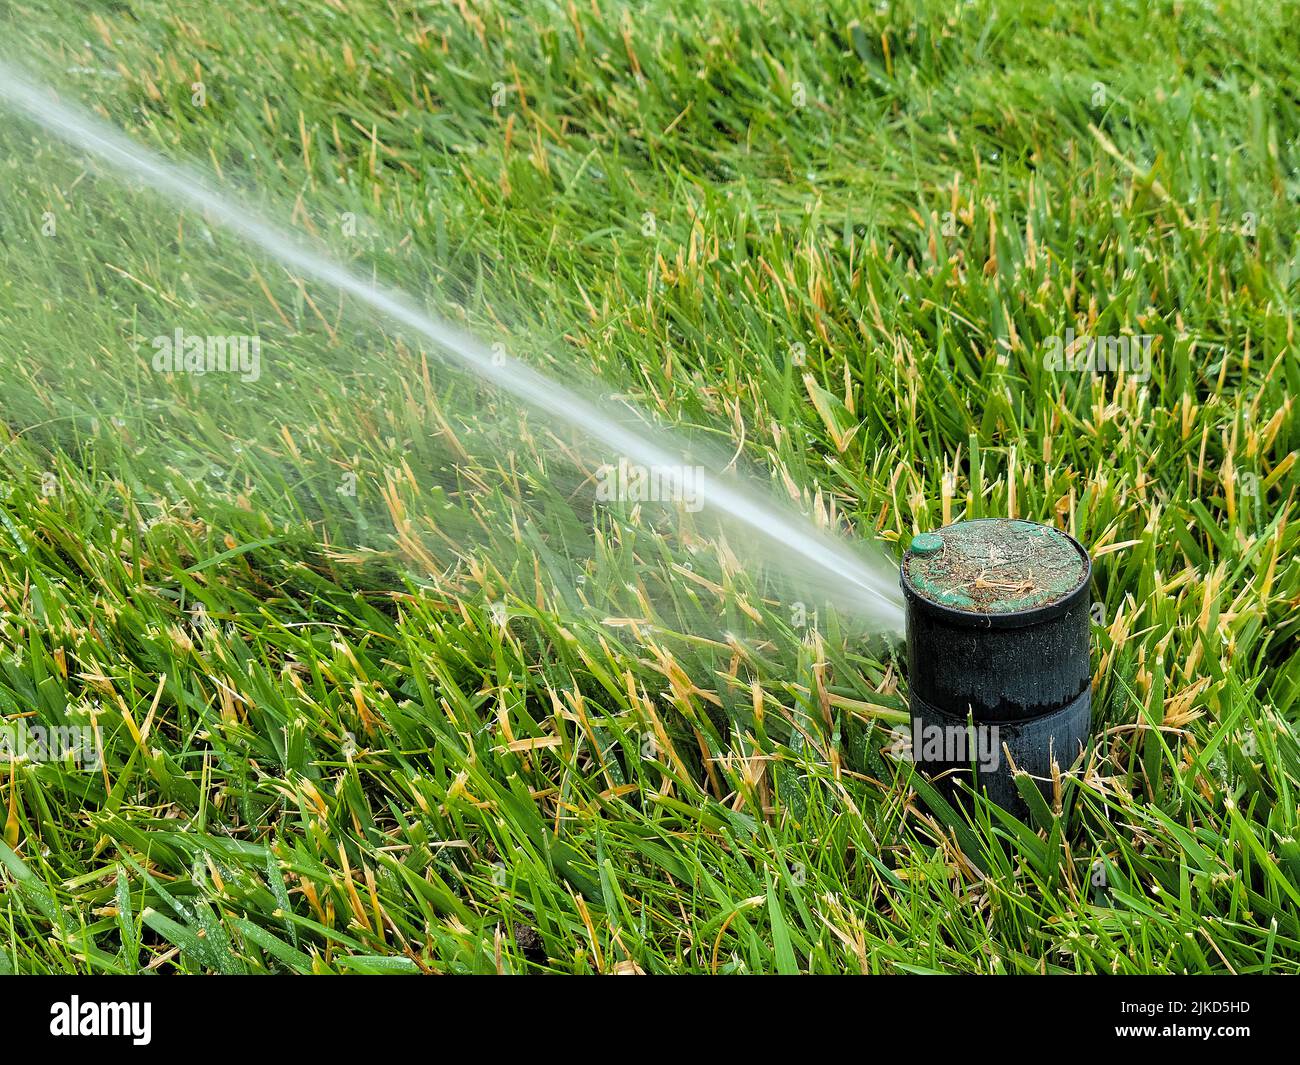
(998, 632)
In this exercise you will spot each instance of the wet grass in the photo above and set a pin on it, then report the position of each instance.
(341, 724)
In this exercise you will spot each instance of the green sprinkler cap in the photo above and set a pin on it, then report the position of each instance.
(926, 544)
(995, 566)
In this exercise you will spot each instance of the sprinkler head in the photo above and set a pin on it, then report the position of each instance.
(998, 632)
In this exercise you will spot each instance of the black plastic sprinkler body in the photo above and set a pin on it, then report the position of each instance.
(998, 635)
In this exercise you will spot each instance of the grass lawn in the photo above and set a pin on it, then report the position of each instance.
(366, 682)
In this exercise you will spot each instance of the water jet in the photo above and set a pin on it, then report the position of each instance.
(859, 583)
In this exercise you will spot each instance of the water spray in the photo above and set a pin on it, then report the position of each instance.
(860, 585)
(998, 631)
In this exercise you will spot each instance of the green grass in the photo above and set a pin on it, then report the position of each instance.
(321, 748)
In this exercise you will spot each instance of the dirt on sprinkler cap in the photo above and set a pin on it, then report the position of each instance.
(994, 566)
